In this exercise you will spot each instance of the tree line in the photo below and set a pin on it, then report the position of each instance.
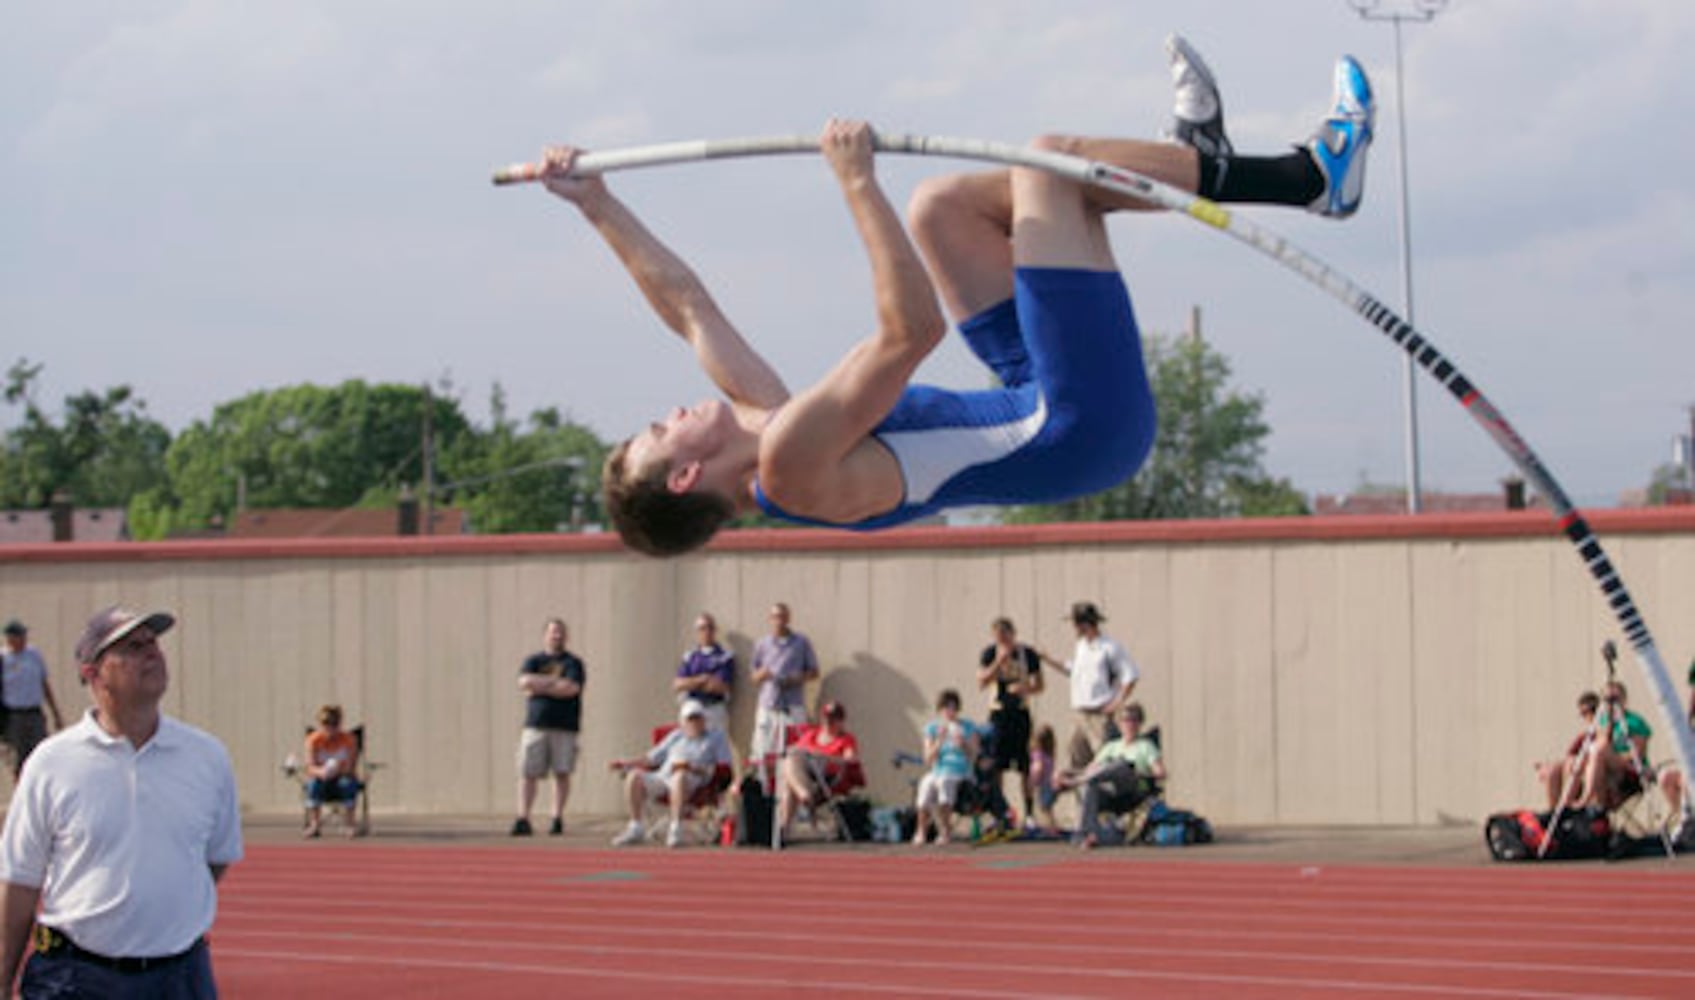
(361, 444)
(356, 444)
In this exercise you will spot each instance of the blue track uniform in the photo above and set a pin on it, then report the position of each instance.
(1074, 414)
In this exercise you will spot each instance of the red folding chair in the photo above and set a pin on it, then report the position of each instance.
(705, 804)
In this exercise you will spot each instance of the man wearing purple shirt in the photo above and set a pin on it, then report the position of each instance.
(706, 673)
(782, 664)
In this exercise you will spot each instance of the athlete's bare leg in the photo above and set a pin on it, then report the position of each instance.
(963, 223)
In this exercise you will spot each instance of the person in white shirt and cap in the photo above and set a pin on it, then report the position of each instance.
(1103, 677)
(673, 771)
(118, 831)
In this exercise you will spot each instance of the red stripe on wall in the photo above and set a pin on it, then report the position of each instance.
(1504, 524)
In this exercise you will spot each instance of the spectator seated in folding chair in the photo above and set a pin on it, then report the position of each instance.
(821, 767)
(975, 791)
(333, 771)
(952, 747)
(1126, 774)
(1561, 777)
(688, 769)
(1641, 800)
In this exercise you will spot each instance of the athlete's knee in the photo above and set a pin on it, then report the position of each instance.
(1113, 443)
(937, 202)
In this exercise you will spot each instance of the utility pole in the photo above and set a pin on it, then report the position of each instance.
(1395, 13)
(429, 525)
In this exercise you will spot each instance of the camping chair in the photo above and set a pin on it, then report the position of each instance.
(838, 782)
(1132, 807)
(978, 795)
(295, 771)
(1642, 814)
(700, 813)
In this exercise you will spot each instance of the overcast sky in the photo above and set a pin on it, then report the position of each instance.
(207, 198)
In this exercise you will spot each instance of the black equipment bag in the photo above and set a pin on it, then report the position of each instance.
(753, 822)
(1518, 836)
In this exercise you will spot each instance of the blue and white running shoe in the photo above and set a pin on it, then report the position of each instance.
(1340, 144)
(1197, 119)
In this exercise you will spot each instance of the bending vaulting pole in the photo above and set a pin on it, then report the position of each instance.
(1128, 182)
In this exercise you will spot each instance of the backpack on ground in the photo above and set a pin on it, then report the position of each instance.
(753, 821)
(853, 819)
(1168, 827)
(1519, 836)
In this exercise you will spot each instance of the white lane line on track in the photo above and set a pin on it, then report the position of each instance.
(706, 957)
(1068, 968)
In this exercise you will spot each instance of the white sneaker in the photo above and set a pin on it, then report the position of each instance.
(633, 834)
(674, 836)
(1197, 117)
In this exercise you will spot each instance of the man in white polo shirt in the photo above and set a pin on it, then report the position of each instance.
(1102, 679)
(119, 829)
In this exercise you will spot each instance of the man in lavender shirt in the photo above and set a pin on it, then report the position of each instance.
(706, 673)
(782, 664)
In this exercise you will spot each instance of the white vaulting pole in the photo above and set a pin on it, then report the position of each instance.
(1127, 182)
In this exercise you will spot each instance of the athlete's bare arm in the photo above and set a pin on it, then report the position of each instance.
(672, 288)
(817, 457)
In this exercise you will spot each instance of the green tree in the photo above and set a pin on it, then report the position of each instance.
(307, 446)
(531, 477)
(1664, 481)
(103, 449)
(1206, 459)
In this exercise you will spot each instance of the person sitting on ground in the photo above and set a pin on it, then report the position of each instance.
(815, 763)
(674, 769)
(1617, 764)
(951, 747)
(1021, 260)
(332, 772)
(1121, 776)
(1044, 790)
(1559, 778)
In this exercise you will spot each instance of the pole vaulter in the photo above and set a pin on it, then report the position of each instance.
(1130, 183)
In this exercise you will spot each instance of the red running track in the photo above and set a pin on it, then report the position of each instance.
(367, 921)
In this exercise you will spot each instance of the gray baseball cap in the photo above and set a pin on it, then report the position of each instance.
(111, 624)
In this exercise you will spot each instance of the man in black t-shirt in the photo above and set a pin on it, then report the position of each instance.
(1016, 673)
(553, 680)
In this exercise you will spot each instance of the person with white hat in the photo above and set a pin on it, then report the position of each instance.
(119, 830)
(675, 769)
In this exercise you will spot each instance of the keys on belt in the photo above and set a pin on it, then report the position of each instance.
(50, 942)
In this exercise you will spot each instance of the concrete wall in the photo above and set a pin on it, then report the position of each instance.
(1311, 671)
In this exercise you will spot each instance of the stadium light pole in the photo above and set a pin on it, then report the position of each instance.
(1396, 13)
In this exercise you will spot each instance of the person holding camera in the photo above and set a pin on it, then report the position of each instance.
(1617, 766)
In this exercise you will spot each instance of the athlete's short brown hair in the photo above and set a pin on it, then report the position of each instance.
(649, 517)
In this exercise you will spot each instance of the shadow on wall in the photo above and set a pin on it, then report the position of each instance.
(885, 712)
(744, 693)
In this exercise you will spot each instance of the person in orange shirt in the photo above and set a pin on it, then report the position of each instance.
(332, 759)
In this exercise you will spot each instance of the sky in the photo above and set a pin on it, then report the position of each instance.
(203, 199)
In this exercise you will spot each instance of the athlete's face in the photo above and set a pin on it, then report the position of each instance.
(687, 435)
